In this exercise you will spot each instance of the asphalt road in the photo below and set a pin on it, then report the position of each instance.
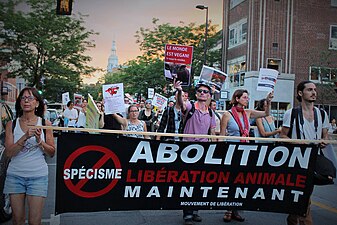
(324, 211)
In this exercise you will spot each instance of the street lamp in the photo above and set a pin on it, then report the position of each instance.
(202, 7)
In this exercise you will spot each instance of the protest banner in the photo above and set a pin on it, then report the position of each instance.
(212, 77)
(65, 98)
(178, 62)
(159, 101)
(96, 173)
(92, 114)
(113, 95)
(267, 79)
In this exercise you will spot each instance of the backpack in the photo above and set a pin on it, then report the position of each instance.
(324, 168)
(294, 114)
(43, 124)
(189, 115)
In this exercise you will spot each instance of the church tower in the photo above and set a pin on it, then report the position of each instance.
(113, 58)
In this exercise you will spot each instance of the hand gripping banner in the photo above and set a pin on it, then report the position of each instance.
(97, 172)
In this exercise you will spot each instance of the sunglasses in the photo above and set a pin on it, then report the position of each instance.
(203, 91)
(29, 98)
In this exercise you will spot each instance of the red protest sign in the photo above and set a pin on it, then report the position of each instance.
(178, 60)
(180, 54)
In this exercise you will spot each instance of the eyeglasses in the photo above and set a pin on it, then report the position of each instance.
(29, 98)
(203, 91)
(148, 103)
(132, 111)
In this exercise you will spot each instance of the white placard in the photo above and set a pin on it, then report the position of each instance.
(78, 100)
(267, 79)
(65, 98)
(159, 101)
(113, 95)
(212, 77)
(150, 92)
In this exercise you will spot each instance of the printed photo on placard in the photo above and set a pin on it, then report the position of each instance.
(177, 64)
(212, 77)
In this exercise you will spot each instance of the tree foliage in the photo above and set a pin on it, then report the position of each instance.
(147, 70)
(49, 48)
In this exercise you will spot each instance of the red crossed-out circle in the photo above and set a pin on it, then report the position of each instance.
(108, 154)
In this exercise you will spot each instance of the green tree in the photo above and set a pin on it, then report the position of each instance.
(49, 48)
(147, 70)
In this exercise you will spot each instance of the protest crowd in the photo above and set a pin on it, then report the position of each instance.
(176, 114)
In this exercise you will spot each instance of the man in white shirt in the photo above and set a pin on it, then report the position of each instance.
(71, 114)
(308, 113)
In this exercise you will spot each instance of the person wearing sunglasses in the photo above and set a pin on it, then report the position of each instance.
(201, 122)
(26, 146)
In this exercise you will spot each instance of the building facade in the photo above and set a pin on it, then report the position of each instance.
(296, 37)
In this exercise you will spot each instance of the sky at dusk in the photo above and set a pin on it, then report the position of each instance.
(120, 19)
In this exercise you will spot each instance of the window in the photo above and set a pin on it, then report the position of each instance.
(238, 33)
(333, 37)
(236, 68)
(334, 3)
(275, 64)
(322, 74)
(234, 3)
(314, 74)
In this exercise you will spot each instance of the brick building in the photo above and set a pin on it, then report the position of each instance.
(296, 37)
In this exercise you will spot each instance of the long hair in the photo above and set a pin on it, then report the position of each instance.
(237, 94)
(260, 104)
(39, 110)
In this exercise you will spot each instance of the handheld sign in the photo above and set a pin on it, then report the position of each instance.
(212, 77)
(159, 101)
(65, 98)
(92, 114)
(177, 64)
(113, 95)
(150, 92)
(267, 79)
(78, 101)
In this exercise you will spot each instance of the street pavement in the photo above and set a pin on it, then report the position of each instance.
(324, 211)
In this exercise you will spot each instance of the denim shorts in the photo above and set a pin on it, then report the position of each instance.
(36, 186)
